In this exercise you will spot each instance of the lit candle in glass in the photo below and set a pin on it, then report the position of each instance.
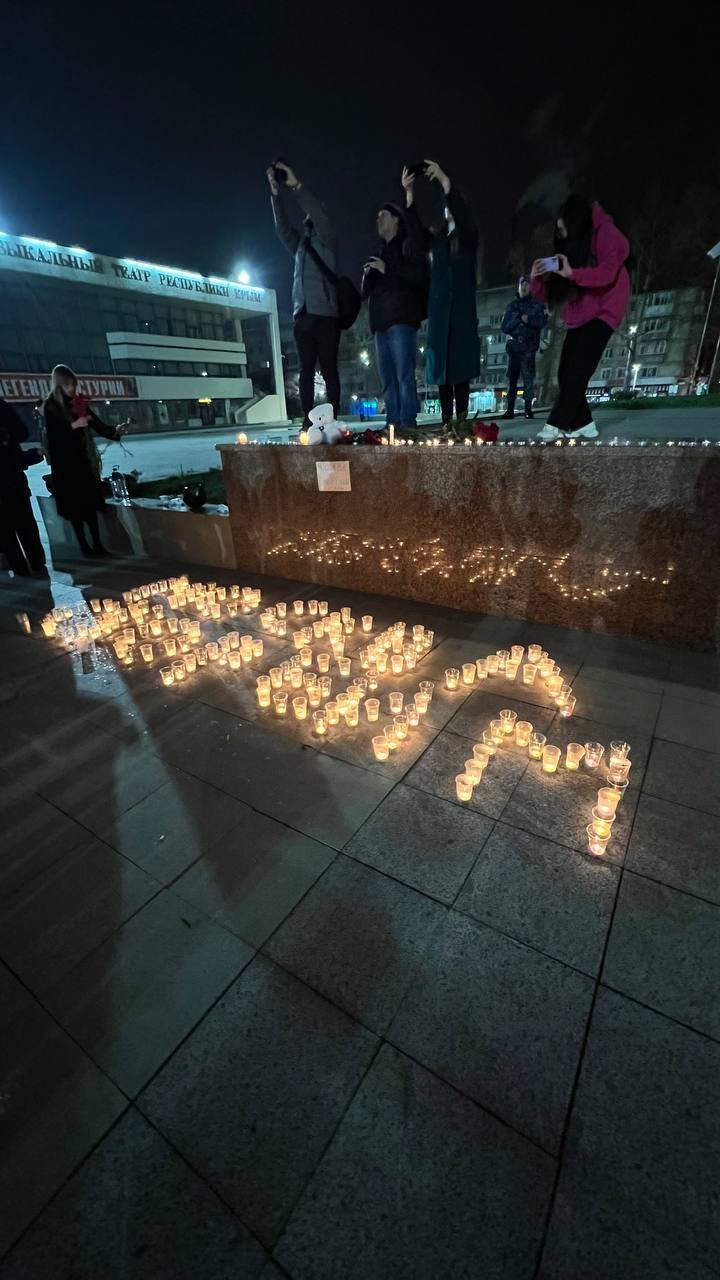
(344, 667)
(276, 677)
(323, 662)
(325, 684)
(427, 687)
(618, 770)
(367, 622)
(397, 662)
(49, 627)
(463, 787)
(492, 664)
(475, 768)
(166, 675)
(351, 714)
(483, 752)
(546, 667)
(421, 702)
(95, 606)
(608, 798)
(517, 652)
(536, 745)
(234, 660)
(381, 663)
(594, 752)
(300, 705)
(502, 656)
(523, 730)
(306, 657)
(452, 678)
(529, 672)
(381, 748)
(468, 672)
(554, 685)
(391, 737)
(179, 672)
(298, 607)
(333, 713)
(511, 669)
(156, 627)
(481, 668)
(318, 629)
(314, 695)
(413, 715)
(401, 727)
(190, 663)
(213, 651)
(396, 703)
(498, 732)
(550, 759)
(534, 652)
(596, 844)
(602, 826)
(147, 652)
(372, 709)
(280, 701)
(320, 723)
(574, 753)
(489, 742)
(343, 703)
(508, 719)
(621, 750)
(172, 626)
(201, 655)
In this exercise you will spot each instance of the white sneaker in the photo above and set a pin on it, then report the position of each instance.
(549, 433)
(590, 432)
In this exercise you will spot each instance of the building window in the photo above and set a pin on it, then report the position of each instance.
(653, 348)
(658, 325)
(606, 374)
(649, 372)
(661, 299)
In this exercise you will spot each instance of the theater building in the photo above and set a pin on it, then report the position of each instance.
(167, 348)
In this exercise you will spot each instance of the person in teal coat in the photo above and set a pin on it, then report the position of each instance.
(453, 348)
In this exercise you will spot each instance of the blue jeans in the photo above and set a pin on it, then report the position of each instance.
(396, 364)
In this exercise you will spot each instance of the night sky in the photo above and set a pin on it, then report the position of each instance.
(146, 130)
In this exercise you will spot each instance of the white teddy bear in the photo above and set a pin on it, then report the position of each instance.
(324, 428)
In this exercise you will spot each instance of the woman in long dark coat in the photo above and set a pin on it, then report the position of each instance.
(453, 349)
(73, 458)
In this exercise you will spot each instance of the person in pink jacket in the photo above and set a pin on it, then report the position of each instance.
(592, 287)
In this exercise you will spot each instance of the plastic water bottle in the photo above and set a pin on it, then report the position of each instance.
(118, 484)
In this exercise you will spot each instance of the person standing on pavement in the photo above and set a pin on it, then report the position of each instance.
(395, 284)
(453, 348)
(588, 278)
(523, 322)
(314, 299)
(19, 538)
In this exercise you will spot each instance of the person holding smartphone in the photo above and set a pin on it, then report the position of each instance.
(523, 323)
(453, 348)
(73, 457)
(588, 279)
(316, 324)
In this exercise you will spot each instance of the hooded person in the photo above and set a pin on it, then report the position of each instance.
(523, 322)
(395, 282)
(590, 282)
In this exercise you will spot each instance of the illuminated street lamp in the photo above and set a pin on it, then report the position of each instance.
(244, 276)
(365, 358)
(632, 334)
(636, 370)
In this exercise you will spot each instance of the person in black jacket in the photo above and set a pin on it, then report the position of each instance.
(523, 322)
(19, 537)
(395, 284)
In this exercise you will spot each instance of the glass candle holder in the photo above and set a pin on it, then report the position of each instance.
(391, 737)
(536, 745)
(553, 685)
(344, 667)
(396, 701)
(550, 759)
(421, 702)
(296, 678)
(601, 826)
(322, 608)
(325, 683)
(475, 768)
(574, 753)
(333, 715)
(596, 844)
(263, 682)
(179, 672)
(483, 752)
(534, 652)
(309, 678)
(300, 705)
(452, 678)
(568, 706)
(314, 695)
(413, 715)
(481, 668)
(166, 675)
(298, 606)
(201, 655)
(508, 719)
(594, 752)
(257, 648)
(468, 672)
(618, 770)
(523, 730)
(607, 801)
(367, 622)
(276, 677)
(397, 663)
(349, 626)
(372, 709)
(497, 730)
(318, 629)
(546, 667)
(280, 701)
(119, 646)
(401, 727)
(306, 657)
(263, 696)
(380, 747)
(234, 660)
(49, 627)
(343, 703)
(502, 656)
(621, 749)
(156, 628)
(323, 662)
(511, 669)
(212, 650)
(463, 787)
(381, 663)
(172, 626)
(489, 742)
(517, 653)
(146, 651)
(492, 663)
(529, 673)
(352, 715)
(320, 723)
(190, 663)
(427, 687)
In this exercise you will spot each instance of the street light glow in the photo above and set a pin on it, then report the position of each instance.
(244, 277)
(365, 357)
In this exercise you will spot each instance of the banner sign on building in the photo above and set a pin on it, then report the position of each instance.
(31, 386)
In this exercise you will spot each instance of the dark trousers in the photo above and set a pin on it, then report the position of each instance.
(459, 394)
(19, 537)
(520, 364)
(317, 339)
(579, 359)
